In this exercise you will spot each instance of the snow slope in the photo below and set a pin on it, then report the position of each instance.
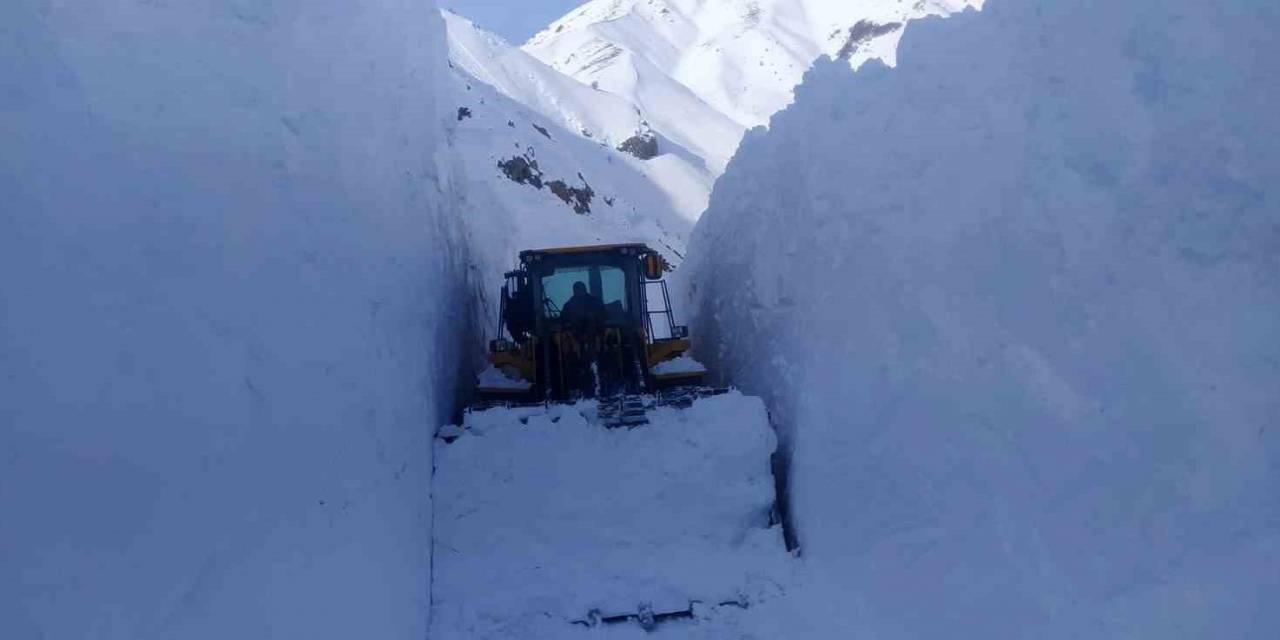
(1022, 328)
(229, 316)
(521, 77)
(544, 516)
(702, 137)
(512, 99)
(740, 57)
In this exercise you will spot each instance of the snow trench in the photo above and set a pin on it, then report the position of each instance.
(1016, 304)
(230, 318)
(1014, 307)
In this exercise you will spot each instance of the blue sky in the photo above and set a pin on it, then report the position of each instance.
(514, 20)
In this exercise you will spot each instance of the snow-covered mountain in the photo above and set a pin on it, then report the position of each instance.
(741, 57)
(609, 137)
(701, 134)
(514, 73)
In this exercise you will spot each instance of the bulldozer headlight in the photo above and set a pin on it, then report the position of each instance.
(680, 332)
(499, 345)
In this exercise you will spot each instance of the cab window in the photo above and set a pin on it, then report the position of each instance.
(613, 286)
(607, 283)
(557, 288)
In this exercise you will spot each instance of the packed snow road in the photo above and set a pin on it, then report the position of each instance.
(544, 520)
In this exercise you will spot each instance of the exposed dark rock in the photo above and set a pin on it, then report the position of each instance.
(863, 32)
(543, 131)
(463, 113)
(599, 57)
(521, 170)
(580, 198)
(643, 145)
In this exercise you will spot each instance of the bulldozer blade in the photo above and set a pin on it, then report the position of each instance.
(644, 616)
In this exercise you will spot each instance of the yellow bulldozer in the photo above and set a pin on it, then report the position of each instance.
(590, 322)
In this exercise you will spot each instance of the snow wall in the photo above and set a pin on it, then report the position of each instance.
(229, 318)
(1016, 307)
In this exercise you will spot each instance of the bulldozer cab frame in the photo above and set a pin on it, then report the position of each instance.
(619, 276)
(611, 278)
(616, 352)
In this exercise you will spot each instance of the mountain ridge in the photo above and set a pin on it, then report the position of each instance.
(741, 57)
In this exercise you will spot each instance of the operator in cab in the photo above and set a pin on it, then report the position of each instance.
(583, 310)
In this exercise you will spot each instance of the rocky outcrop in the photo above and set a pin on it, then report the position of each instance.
(643, 145)
(863, 32)
(524, 170)
(579, 198)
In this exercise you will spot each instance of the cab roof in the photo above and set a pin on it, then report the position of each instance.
(636, 247)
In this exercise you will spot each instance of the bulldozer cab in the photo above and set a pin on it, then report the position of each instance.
(601, 279)
(580, 323)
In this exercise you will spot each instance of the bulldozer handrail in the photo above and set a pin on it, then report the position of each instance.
(665, 311)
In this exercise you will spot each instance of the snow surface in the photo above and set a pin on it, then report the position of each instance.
(542, 515)
(683, 364)
(230, 313)
(1016, 307)
(494, 378)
